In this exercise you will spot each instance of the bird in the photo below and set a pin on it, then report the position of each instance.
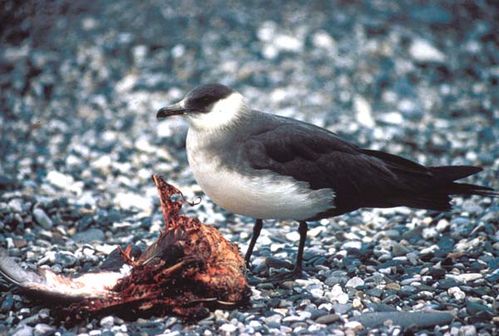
(267, 166)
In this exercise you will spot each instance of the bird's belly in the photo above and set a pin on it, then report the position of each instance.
(260, 195)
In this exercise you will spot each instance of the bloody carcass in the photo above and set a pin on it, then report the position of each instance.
(189, 269)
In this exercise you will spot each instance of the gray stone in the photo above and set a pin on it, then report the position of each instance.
(342, 308)
(327, 319)
(42, 218)
(42, 329)
(65, 259)
(23, 330)
(107, 322)
(89, 236)
(16, 205)
(7, 303)
(405, 319)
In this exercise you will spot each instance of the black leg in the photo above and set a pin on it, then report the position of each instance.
(256, 232)
(297, 272)
(299, 257)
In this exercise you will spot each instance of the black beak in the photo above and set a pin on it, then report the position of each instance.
(171, 110)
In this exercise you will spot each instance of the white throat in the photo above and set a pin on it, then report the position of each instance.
(223, 113)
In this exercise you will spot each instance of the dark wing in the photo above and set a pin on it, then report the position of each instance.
(360, 178)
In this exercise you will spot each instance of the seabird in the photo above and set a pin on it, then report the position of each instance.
(271, 167)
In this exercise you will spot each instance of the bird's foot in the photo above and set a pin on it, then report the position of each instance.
(296, 273)
(272, 262)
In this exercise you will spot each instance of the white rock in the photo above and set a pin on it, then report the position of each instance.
(429, 249)
(354, 325)
(465, 277)
(338, 295)
(278, 95)
(228, 328)
(322, 39)
(267, 31)
(10, 242)
(60, 180)
(442, 225)
(467, 330)
(288, 43)
(457, 293)
(406, 105)
(129, 200)
(23, 330)
(393, 118)
(303, 314)
(429, 232)
(73, 160)
(16, 205)
(270, 52)
(353, 244)
(86, 198)
(126, 83)
(107, 322)
(293, 236)
(139, 53)
(164, 129)
(363, 111)
(102, 163)
(178, 50)
(43, 329)
(354, 282)
(423, 51)
(317, 292)
(143, 144)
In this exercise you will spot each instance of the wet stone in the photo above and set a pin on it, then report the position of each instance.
(474, 307)
(376, 292)
(66, 259)
(327, 319)
(7, 303)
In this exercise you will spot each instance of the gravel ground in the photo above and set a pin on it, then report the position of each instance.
(80, 82)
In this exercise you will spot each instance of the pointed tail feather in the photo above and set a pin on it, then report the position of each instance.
(452, 173)
(448, 174)
(444, 187)
(471, 189)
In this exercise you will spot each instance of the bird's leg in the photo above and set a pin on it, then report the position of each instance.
(256, 232)
(297, 272)
(299, 257)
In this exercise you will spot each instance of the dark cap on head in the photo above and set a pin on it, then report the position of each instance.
(199, 100)
(204, 96)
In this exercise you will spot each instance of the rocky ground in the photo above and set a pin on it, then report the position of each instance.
(80, 83)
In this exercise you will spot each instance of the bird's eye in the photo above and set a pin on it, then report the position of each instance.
(200, 102)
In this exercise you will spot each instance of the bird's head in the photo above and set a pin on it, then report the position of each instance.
(208, 107)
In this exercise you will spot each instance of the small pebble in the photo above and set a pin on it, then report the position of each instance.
(327, 319)
(354, 282)
(42, 329)
(42, 218)
(457, 293)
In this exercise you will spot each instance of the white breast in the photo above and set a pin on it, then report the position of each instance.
(261, 196)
